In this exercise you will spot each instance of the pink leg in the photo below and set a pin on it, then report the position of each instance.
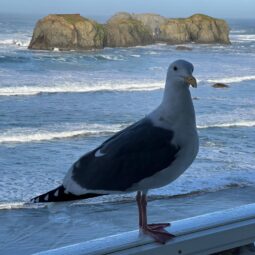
(157, 231)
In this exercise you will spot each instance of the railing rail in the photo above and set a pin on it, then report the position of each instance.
(200, 235)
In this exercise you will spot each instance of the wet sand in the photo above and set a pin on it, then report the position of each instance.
(29, 230)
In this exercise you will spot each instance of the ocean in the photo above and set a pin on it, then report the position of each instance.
(55, 106)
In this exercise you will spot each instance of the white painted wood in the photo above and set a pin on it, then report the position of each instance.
(199, 235)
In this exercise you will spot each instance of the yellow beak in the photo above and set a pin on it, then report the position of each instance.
(191, 80)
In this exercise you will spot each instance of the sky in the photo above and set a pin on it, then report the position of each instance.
(168, 8)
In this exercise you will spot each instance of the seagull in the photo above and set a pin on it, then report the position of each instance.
(149, 154)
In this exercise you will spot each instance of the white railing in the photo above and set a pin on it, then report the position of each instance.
(201, 235)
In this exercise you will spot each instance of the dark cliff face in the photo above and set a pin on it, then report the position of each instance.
(72, 31)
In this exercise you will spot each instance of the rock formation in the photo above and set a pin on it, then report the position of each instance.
(220, 85)
(181, 47)
(67, 31)
(198, 28)
(71, 31)
(122, 30)
(153, 22)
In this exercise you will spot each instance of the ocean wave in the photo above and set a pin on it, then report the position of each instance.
(248, 123)
(33, 135)
(128, 197)
(152, 53)
(238, 31)
(20, 43)
(20, 135)
(114, 86)
(136, 55)
(247, 37)
(109, 57)
(35, 90)
(21, 205)
(232, 79)
(6, 41)
(164, 193)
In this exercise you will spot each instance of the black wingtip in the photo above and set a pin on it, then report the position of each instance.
(60, 195)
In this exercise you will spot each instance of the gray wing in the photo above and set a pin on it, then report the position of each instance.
(131, 155)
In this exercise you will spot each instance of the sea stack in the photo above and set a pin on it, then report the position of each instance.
(67, 32)
(74, 32)
(123, 30)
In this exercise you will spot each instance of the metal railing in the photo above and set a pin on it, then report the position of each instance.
(200, 235)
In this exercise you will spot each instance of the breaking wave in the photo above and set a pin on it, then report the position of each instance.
(20, 205)
(163, 193)
(20, 43)
(33, 135)
(128, 86)
(248, 123)
(35, 90)
(88, 130)
(243, 38)
(109, 57)
(233, 79)
(238, 31)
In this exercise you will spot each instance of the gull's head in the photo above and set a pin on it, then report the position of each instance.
(180, 74)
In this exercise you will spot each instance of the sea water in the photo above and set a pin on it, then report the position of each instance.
(56, 106)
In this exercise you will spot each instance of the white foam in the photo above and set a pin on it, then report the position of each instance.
(34, 90)
(21, 43)
(153, 53)
(233, 79)
(17, 42)
(6, 41)
(249, 38)
(136, 55)
(21, 135)
(238, 31)
(248, 123)
(20, 205)
(110, 57)
(33, 135)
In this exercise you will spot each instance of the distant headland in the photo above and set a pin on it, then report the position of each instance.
(74, 32)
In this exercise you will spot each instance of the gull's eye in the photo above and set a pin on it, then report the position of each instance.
(175, 68)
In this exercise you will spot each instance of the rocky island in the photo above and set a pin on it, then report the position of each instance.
(74, 32)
